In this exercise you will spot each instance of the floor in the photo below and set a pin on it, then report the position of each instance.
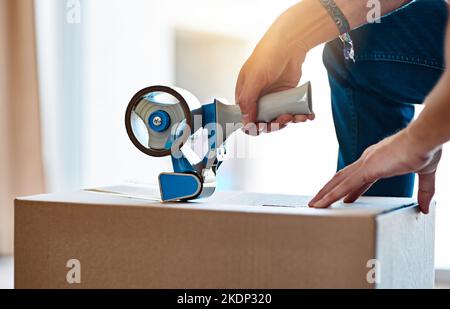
(7, 275)
(442, 279)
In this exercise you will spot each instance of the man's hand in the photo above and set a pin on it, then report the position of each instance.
(275, 65)
(271, 68)
(396, 155)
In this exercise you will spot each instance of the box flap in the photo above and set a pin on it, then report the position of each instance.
(140, 196)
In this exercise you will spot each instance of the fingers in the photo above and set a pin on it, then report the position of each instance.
(287, 118)
(352, 186)
(303, 118)
(353, 196)
(247, 103)
(426, 191)
(300, 118)
(247, 93)
(248, 108)
(427, 180)
(254, 129)
(433, 164)
(378, 161)
(338, 178)
(273, 127)
(282, 121)
(352, 183)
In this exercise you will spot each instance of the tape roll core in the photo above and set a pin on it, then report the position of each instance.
(136, 99)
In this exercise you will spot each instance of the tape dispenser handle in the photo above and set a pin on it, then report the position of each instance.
(295, 101)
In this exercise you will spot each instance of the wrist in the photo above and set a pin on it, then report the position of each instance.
(418, 141)
(278, 44)
(293, 36)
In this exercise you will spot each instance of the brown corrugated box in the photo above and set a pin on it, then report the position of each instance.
(89, 239)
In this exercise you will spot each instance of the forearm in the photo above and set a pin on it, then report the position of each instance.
(432, 128)
(307, 24)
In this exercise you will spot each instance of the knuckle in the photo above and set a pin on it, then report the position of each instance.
(369, 177)
(427, 191)
(370, 174)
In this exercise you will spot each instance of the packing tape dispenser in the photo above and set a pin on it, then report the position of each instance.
(166, 121)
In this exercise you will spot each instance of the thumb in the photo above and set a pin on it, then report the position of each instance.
(426, 191)
(247, 95)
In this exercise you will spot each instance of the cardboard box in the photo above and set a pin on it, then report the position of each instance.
(90, 239)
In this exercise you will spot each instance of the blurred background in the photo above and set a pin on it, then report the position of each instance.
(68, 69)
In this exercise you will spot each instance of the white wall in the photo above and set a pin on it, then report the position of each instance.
(129, 47)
